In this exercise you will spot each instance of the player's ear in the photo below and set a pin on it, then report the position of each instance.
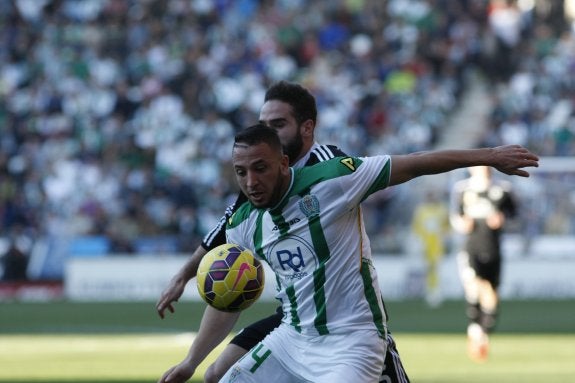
(307, 128)
(285, 162)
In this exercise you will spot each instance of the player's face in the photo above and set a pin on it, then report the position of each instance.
(480, 171)
(279, 116)
(262, 173)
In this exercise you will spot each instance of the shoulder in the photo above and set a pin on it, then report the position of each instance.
(321, 153)
(326, 170)
(242, 213)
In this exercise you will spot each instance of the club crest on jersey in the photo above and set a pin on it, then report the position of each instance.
(309, 205)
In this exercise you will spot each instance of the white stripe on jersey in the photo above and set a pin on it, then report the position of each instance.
(323, 153)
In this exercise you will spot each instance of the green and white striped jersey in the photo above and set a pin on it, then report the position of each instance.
(315, 242)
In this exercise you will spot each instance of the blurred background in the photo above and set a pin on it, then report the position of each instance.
(117, 119)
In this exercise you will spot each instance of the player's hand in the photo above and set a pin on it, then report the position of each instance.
(170, 295)
(510, 159)
(177, 374)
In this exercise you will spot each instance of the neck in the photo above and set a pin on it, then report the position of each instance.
(302, 153)
(286, 183)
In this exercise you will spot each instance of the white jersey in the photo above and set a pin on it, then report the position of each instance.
(315, 242)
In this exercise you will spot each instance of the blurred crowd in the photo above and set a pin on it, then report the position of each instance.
(117, 116)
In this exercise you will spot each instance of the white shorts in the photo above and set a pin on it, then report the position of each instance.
(286, 356)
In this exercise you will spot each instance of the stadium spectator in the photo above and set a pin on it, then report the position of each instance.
(105, 87)
(86, 86)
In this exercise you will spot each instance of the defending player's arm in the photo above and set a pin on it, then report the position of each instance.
(508, 159)
(214, 328)
(177, 285)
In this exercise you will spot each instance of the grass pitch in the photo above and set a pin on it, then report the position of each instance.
(127, 342)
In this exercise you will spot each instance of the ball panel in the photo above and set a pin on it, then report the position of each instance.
(233, 254)
(219, 275)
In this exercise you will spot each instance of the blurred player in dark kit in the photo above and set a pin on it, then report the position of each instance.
(480, 206)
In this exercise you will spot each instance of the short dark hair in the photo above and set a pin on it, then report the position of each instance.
(257, 134)
(298, 97)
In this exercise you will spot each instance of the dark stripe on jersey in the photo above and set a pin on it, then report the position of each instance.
(320, 321)
(322, 250)
(371, 297)
(295, 321)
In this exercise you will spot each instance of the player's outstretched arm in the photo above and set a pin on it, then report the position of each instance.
(508, 159)
(214, 328)
(177, 284)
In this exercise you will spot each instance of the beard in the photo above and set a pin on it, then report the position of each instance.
(293, 148)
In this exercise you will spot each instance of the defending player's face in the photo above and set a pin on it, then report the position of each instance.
(279, 116)
(262, 173)
(480, 171)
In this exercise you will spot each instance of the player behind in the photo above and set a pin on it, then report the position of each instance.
(291, 110)
(479, 208)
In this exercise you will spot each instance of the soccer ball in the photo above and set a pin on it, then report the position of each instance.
(230, 278)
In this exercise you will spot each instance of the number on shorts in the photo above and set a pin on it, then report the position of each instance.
(259, 358)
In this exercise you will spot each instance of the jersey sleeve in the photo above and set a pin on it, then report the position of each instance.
(368, 175)
(217, 235)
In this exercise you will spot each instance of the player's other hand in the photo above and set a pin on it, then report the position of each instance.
(170, 295)
(511, 159)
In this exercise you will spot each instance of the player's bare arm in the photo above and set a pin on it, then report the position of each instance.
(177, 284)
(508, 159)
(214, 328)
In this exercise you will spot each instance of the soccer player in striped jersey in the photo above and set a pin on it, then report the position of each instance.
(306, 224)
(291, 110)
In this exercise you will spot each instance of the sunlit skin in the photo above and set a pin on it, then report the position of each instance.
(296, 139)
(262, 173)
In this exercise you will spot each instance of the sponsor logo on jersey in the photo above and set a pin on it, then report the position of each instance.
(292, 258)
(291, 222)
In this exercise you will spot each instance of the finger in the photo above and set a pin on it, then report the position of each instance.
(160, 308)
(173, 377)
(171, 308)
(521, 173)
(166, 377)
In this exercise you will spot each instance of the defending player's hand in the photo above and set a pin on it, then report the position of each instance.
(510, 159)
(170, 295)
(178, 374)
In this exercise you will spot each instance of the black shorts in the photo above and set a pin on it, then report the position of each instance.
(393, 371)
(488, 268)
(251, 335)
